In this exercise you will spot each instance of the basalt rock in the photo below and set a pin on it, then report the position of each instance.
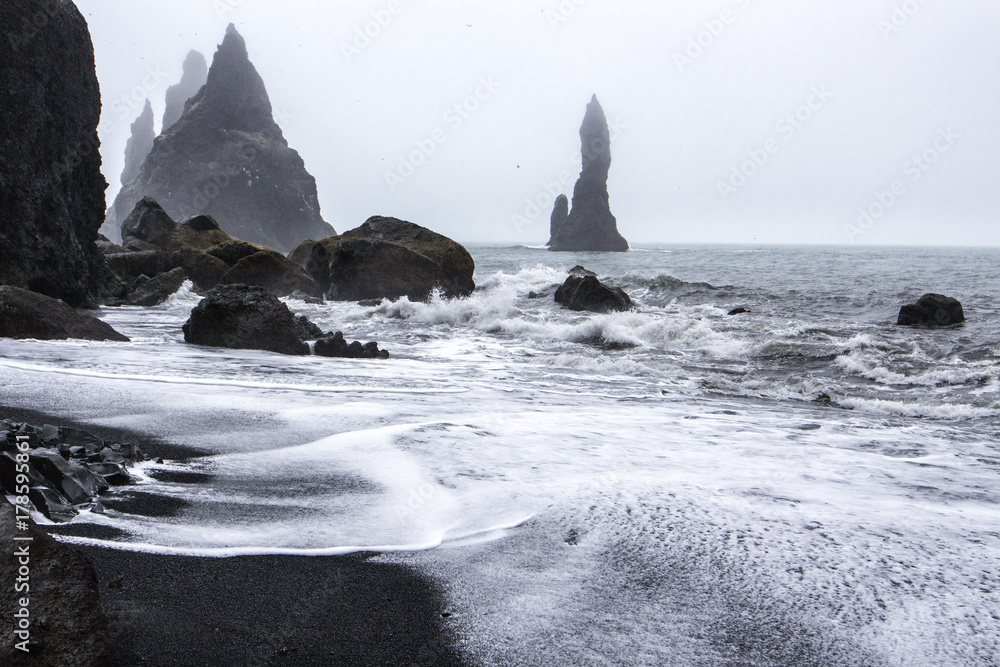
(589, 226)
(387, 258)
(149, 224)
(273, 271)
(244, 317)
(560, 213)
(154, 291)
(336, 345)
(583, 291)
(25, 314)
(139, 144)
(194, 77)
(51, 186)
(932, 310)
(227, 158)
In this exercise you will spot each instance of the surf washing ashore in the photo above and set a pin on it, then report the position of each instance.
(802, 483)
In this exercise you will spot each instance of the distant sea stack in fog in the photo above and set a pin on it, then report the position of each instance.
(589, 224)
(51, 186)
(227, 158)
(194, 77)
(139, 144)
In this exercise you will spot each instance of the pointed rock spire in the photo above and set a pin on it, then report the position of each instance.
(590, 226)
(139, 144)
(227, 158)
(194, 77)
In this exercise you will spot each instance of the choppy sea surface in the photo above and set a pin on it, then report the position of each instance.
(805, 483)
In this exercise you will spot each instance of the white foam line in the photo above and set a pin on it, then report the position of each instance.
(232, 552)
(168, 379)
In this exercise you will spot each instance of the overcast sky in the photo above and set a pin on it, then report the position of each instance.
(732, 120)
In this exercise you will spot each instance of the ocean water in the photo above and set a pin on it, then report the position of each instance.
(803, 484)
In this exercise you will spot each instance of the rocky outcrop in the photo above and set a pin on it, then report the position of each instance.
(148, 224)
(139, 144)
(583, 291)
(932, 310)
(589, 226)
(51, 187)
(67, 468)
(154, 291)
(336, 345)
(25, 314)
(68, 626)
(387, 258)
(227, 158)
(194, 77)
(244, 317)
(272, 271)
(560, 213)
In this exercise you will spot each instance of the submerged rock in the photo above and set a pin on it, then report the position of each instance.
(387, 258)
(25, 314)
(51, 186)
(139, 144)
(194, 77)
(244, 317)
(336, 345)
(589, 225)
(227, 158)
(583, 291)
(932, 310)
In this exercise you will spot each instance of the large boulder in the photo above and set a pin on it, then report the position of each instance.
(227, 158)
(51, 186)
(194, 77)
(25, 314)
(68, 626)
(589, 226)
(932, 310)
(273, 271)
(244, 317)
(154, 291)
(149, 225)
(387, 258)
(131, 265)
(583, 291)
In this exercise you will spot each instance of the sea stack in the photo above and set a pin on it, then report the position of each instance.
(227, 158)
(589, 226)
(194, 77)
(139, 144)
(51, 186)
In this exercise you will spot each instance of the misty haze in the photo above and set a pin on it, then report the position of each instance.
(418, 332)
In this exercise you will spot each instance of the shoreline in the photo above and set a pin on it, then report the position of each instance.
(259, 610)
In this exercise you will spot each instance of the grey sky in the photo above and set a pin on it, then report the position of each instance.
(875, 83)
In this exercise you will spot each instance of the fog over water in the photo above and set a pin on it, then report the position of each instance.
(732, 121)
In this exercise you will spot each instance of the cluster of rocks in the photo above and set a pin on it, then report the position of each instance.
(583, 291)
(67, 467)
(248, 317)
(387, 258)
(227, 158)
(158, 254)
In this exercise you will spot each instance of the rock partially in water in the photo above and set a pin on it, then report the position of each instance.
(932, 310)
(244, 317)
(51, 186)
(589, 225)
(154, 291)
(336, 345)
(25, 314)
(583, 291)
(387, 258)
(273, 271)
